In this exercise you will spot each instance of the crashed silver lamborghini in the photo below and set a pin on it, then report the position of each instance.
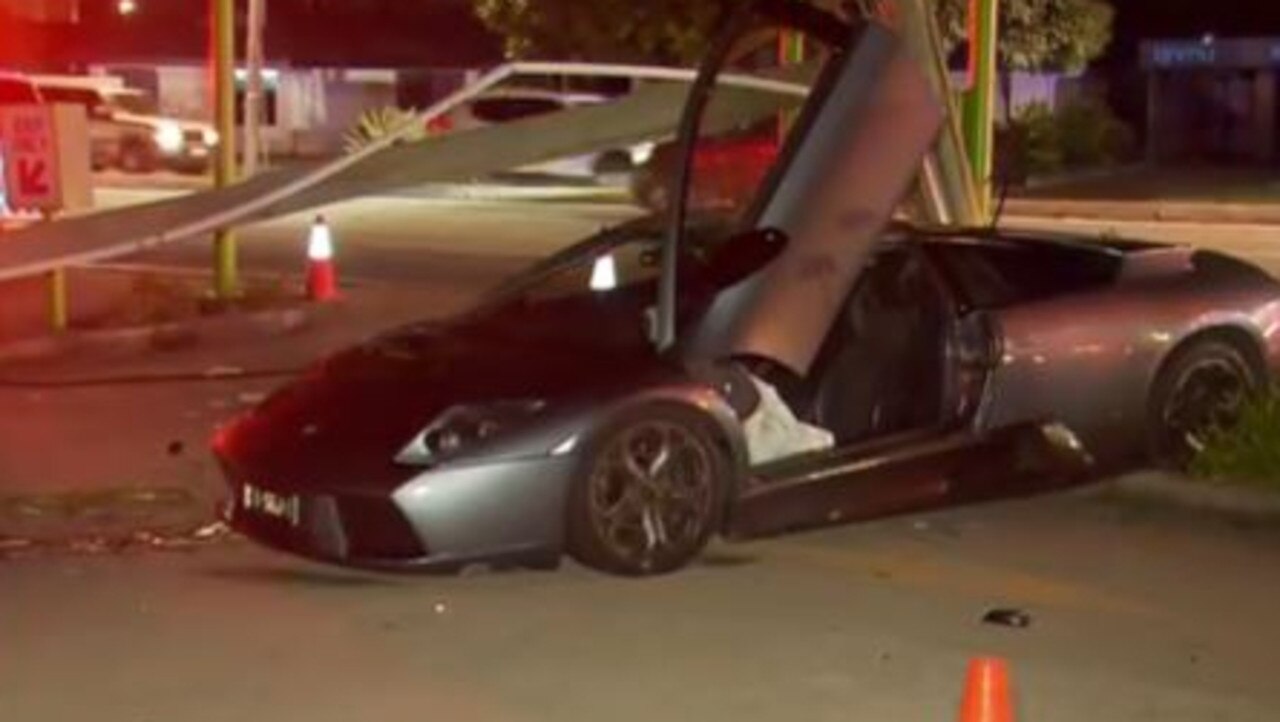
(760, 365)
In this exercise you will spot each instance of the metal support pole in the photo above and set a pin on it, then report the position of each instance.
(790, 52)
(223, 47)
(979, 103)
(58, 300)
(253, 97)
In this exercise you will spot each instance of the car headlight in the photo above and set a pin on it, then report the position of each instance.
(462, 426)
(169, 137)
(642, 152)
(210, 136)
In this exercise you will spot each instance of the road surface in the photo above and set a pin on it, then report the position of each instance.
(405, 240)
(412, 239)
(1136, 615)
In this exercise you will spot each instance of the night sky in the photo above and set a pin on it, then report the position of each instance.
(1138, 19)
(443, 32)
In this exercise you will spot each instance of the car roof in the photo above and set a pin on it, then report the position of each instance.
(570, 98)
(901, 231)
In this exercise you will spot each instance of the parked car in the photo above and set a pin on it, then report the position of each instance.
(506, 104)
(727, 168)
(794, 361)
(126, 129)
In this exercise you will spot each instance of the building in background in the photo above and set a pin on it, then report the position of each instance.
(327, 60)
(1213, 99)
(43, 11)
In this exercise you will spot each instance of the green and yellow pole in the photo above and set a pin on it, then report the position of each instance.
(790, 52)
(223, 46)
(979, 103)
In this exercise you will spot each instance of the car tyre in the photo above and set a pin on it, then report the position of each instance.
(649, 494)
(137, 158)
(613, 163)
(1201, 387)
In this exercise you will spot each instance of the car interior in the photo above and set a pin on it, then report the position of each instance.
(881, 369)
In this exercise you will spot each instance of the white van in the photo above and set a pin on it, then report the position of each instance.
(127, 130)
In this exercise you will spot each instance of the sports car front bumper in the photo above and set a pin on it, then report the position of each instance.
(504, 511)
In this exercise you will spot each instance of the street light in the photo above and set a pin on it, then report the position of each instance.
(126, 7)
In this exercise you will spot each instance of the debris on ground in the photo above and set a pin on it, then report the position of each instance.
(1016, 618)
(251, 398)
(189, 539)
(212, 530)
(220, 372)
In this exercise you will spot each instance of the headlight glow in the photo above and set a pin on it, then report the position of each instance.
(642, 152)
(462, 426)
(169, 137)
(210, 136)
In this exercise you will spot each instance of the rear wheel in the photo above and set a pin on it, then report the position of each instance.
(613, 163)
(650, 494)
(136, 157)
(1201, 388)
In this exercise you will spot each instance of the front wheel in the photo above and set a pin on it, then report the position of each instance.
(1201, 388)
(649, 496)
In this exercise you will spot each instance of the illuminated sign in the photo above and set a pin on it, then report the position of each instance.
(31, 156)
(1184, 54)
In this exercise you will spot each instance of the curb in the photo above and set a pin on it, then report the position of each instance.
(162, 336)
(1177, 491)
(1145, 212)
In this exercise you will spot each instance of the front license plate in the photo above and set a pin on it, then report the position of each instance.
(284, 507)
(199, 152)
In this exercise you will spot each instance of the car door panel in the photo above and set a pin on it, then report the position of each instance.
(911, 472)
(832, 195)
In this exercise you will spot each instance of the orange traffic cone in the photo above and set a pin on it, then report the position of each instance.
(322, 275)
(986, 692)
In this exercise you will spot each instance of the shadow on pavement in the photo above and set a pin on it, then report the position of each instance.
(305, 577)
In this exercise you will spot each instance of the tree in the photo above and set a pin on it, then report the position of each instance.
(1039, 34)
(661, 31)
(1036, 34)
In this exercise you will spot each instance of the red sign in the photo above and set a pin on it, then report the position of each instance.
(31, 156)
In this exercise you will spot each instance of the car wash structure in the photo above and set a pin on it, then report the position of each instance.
(947, 192)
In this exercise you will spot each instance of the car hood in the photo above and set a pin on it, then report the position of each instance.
(155, 121)
(344, 421)
(858, 145)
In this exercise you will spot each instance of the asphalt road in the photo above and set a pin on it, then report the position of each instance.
(422, 239)
(1136, 615)
(405, 240)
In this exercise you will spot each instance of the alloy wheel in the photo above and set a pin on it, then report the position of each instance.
(1206, 395)
(650, 496)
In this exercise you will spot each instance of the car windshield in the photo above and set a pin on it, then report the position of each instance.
(615, 259)
(750, 114)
